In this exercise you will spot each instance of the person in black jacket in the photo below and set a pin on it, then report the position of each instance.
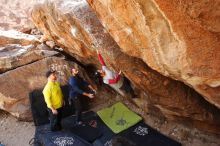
(76, 86)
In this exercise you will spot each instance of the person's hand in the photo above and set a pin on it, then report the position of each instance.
(54, 111)
(94, 91)
(119, 72)
(91, 95)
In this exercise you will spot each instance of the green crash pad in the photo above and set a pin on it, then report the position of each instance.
(118, 117)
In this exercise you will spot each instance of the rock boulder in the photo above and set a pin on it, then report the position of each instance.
(16, 85)
(73, 25)
(179, 39)
(14, 14)
(14, 55)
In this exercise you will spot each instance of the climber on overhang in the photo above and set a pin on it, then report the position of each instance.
(115, 80)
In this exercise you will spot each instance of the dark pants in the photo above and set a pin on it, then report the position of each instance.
(126, 87)
(78, 108)
(55, 120)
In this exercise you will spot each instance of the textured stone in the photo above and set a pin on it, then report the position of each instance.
(16, 85)
(17, 49)
(178, 38)
(14, 55)
(76, 28)
(15, 37)
(14, 14)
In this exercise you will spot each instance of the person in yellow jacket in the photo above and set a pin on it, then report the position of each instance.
(54, 99)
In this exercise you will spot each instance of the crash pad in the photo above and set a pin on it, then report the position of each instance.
(142, 134)
(45, 137)
(38, 107)
(88, 130)
(106, 132)
(118, 117)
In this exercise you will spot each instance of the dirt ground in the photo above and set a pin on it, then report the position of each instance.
(17, 133)
(14, 132)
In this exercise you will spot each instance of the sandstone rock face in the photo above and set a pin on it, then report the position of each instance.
(17, 49)
(16, 85)
(76, 28)
(180, 39)
(14, 14)
(14, 55)
(15, 37)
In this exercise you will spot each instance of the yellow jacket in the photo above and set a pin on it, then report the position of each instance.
(53, 95)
